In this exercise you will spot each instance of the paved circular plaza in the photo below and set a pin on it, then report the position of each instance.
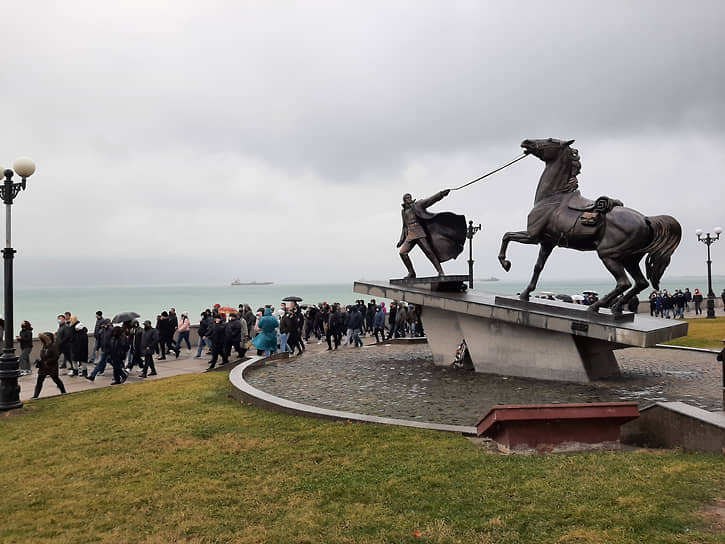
(401, 381)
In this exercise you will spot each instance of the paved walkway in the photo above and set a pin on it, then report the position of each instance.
(185, 364)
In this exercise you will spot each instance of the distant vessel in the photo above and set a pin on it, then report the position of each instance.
(237, 282)
(492, 278)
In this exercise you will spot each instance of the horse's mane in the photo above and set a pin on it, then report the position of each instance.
(576, 165)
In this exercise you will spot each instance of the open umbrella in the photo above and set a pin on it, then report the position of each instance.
(291, 299)
(226, 310)
(125, 316)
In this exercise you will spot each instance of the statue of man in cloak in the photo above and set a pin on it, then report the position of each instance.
(441, 236)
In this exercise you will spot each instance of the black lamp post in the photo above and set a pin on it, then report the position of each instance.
(708, 241)
(470, 231)
(9, 371)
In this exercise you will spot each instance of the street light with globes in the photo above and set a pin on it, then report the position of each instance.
(708, 241)
(9, 371)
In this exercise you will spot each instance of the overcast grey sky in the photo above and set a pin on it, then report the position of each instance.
(202, 141)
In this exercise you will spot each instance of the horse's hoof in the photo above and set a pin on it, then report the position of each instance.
(523, 296)
(506, 264)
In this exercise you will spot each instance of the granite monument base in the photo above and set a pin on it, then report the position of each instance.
(549, 340)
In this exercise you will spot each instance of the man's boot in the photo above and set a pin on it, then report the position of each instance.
(408, 264)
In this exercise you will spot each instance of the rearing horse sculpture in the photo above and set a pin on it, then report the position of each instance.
(621, 236)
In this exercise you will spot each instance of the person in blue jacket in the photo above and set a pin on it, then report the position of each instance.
(266, 340)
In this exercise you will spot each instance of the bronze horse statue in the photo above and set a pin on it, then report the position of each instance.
(621, 236)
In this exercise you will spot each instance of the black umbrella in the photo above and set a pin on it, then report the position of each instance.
(291, 299)
(125, 316)
(565, 298)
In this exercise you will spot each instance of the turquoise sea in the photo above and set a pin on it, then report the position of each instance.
(40, 306)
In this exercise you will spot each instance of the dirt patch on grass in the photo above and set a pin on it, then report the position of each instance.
(714, 515)
(18, 412)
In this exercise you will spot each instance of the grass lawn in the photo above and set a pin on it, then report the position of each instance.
(702, 333)
(177, 460)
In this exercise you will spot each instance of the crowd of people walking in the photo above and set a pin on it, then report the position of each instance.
(675, 304)
(128, 343)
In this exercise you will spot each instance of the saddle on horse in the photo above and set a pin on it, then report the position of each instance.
(592, 210)
(579, 217)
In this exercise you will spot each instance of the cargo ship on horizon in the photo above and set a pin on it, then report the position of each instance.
(239, 282)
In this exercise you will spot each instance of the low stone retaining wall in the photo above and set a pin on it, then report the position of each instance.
(677, 425)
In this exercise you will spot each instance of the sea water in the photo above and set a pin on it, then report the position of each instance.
(41, 305)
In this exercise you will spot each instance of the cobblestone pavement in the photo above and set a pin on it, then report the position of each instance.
(401, 381)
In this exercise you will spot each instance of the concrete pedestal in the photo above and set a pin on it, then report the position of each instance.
(548, 340)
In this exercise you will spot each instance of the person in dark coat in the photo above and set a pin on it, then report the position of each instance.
(218, 336)
(26, 346)
(63, 337)
(149, 339)
(335, 326)
(104, 335)
(285, 327)
(118, 347)
(391, 316)
(135, 352)
(79, 348)
(697, 299)
(370, 316)
(251, 319)
(667, 304)
(355, 325)
(48, 363)
(174, 321)
(205, 324)
(379, 325)
(295, 336)
(234, 335)
(166, 335)
(688, 298)
(96, 336)
(413, 321)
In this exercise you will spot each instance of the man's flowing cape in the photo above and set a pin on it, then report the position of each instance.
(447, 232)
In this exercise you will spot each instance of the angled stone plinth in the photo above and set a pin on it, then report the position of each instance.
(557, 427)
(677, 425)
(548, 340)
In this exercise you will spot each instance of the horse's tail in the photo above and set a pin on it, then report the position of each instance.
(666, 235)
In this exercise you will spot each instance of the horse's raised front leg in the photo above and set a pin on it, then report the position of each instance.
(521, 236)
(616, 268)
(544, 252)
